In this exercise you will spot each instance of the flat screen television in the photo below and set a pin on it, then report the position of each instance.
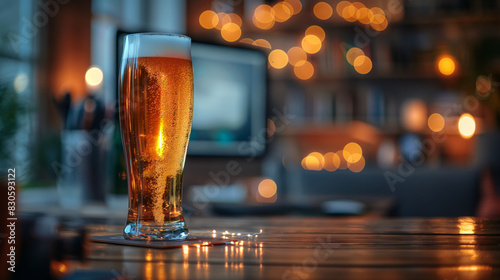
(229, 101)
(230, 89)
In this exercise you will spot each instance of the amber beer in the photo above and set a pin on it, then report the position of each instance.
(156, 109)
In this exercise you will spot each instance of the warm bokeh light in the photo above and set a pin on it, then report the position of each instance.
(262, 25)
(332, 161)
(341, 6)
(379, 22)
(296, 5)
(267, 188)
(446, 65)
(352, 54)
(21, 82)
(236, 19)
(282, 11)
(316, 31)
(264, 13)
(221, 20)
(231, 32)
(343, 162)
(311, 44)
(225, 19)
(262, 43)
(278, 59)
(208, 19)
(246, 41)
(377, 11)
(466, 125)
(303, 70)
(313, 161)
(352, 152)
(414, 115)
(295, 55)
(435, 122)
(319, 157)
(363, 64)
(357, 166)
(364, 15)
(323, 10)
(94, 76)
(349, 13)
(483, 86)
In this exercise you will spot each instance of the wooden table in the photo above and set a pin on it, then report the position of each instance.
(315, 248)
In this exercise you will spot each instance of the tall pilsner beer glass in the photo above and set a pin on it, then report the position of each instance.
(156, 109)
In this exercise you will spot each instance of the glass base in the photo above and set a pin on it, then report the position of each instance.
(153, 231)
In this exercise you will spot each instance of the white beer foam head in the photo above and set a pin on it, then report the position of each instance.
(157, 45)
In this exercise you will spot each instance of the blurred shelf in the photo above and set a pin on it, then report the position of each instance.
(298, 23)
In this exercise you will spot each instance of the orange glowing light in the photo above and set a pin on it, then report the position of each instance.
(349, 13)
(414, 115)
(332, 161)
(435, 122)
(357, 166)
(304, 163)
(323, 10)
(466, 225)
(267, 188)
(358, 6)
(94, 76)
(313, 161)
(236, 19)
(311, 44)
(262, 25)
(282, 11)
(377, 11)
(466, 125)
(343, 162)
(246, 41)
(316, 31)
(278, 59)
(295, 4)
(352, 152)
(363, 64)
(221, 20)
(149, 256)
(231, 32)
(379, 22)
(303, 70)
(474, 267)
(352, 54)
(364, 15)
(295, 55)
(319, 157)
(264, 14)
(262, 43)
(341, 6)
(446, 65)
(208, 19)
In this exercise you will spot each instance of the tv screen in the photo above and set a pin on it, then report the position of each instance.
(229, 101)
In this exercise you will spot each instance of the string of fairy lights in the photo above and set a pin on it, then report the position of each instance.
(266, 17)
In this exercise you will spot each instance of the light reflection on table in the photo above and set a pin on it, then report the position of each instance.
(463, 248)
